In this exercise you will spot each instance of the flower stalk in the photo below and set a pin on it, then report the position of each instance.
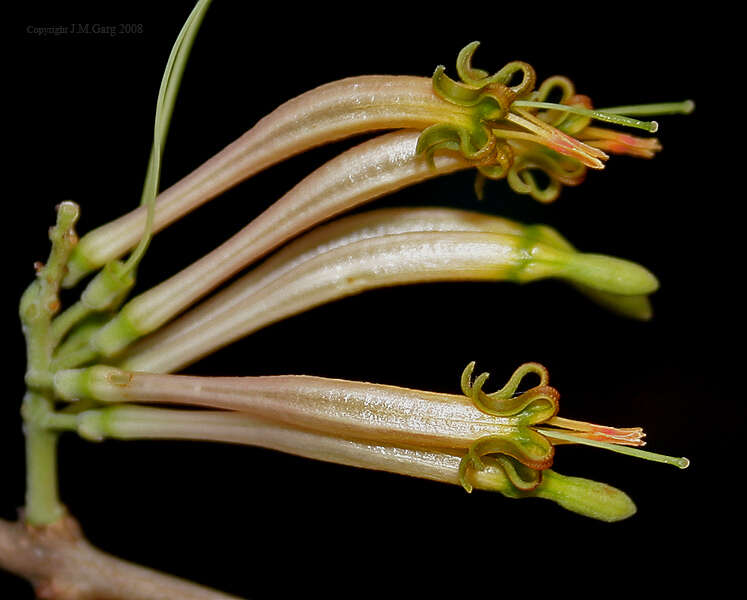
(39, 304)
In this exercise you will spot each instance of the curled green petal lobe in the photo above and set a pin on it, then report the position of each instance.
(474, 145)
(455, 92)
(488, 100)
(536, 405)
(466, 71)
(480, 79)
(529, 448)
(557, 170)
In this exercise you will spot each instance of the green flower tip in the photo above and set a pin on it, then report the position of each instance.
(610, 274)
(585, 497)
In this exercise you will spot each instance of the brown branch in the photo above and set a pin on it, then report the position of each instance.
(62, 565)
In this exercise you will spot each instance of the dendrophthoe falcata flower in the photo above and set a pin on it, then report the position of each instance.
(105, 365)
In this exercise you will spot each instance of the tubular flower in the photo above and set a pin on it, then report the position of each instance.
(198, 331)
(375, 262)
(502, 130)
(504, 441)
(520, 133)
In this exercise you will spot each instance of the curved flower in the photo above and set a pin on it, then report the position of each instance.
(375, 262)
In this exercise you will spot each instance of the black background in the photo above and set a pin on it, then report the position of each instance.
(264, 525)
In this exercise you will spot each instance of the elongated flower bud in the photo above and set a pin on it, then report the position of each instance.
(377, 262)
(354, 229)
(164, 350)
